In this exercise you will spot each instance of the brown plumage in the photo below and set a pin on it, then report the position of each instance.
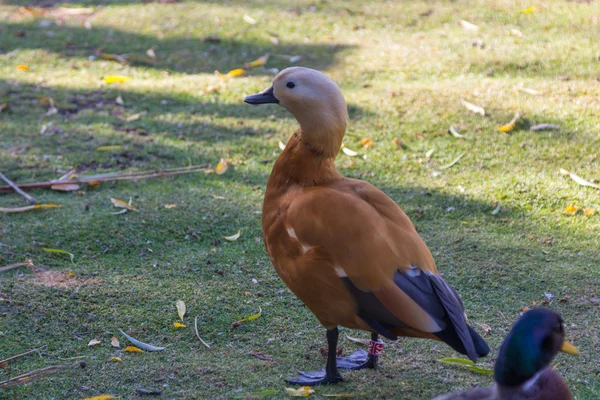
(342, 245)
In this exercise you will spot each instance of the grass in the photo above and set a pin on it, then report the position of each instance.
(404, 68)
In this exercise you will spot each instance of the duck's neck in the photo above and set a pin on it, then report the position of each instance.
(519, 359)
(302, 163)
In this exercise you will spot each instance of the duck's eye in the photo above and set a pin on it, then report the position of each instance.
(291, 85)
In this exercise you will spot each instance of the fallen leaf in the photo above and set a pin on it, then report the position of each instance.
(135, 117)
(302, 391)
(579, 179)
(94, 342)
(28, 208)
(457, 159)
(178, 325)
(349, 152)
(486, 328)
(121, 204)
(366, 143)
(528, 10)
(65, 187)
(109, 148)
(588, 212)
(170, 205)
(252, 317)
(115, 342)
(295, 59)
(221, 167)
(528, 91)
(94, 184)
(474, 108)
(49, 250)
(22, 67)
(544, 127)
(429, 153)
(119, 100)
(570, 210)
(231, 74)
(101, 397)
(145, 346)
(466, 364)
(115, 79)
(116, 359)
(281, 145)
(515, 32)
(70, 274)
(3, 106)
(233, 238)
(259, 62)
(497, 209)
(249, 19)
(113, 57)
(358, 340)
(133, 349)
(455, 133)
(180, 309)
(467, 25)
(509, 127)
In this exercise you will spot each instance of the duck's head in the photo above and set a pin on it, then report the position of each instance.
(315, 101)
(532, 343)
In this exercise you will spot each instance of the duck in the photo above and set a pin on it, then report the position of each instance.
(521, 371)
(342, 246)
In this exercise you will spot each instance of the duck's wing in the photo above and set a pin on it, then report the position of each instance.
(375, 249)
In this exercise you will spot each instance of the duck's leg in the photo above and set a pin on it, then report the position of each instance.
(361, 359)
(330, 375)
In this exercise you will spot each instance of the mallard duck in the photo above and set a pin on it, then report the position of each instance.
(521, 371)
(342, 246)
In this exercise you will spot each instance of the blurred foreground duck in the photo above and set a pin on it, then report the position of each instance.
(521, 371)
(342, 245)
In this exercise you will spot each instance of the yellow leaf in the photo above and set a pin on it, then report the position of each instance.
(133, 349)
(48, 250)
(94, 342)
(570, 210)
(115, 342)
(231, 74)
(252, 317)
(233, 238)
(178, 325)
(259, 62)
(121, 204)
(94, 184)
(366, 143)
(70, 274)
(170, 205)
(101, 397)
(302, 391)
(115, 79)
(509, 127)
(116, 359)
(180, 309)
(28, 208)
(528, 10)
(22, 67)
(588, 212)
(109, 148)
(474, 108)
(65, 187)
(221, 167)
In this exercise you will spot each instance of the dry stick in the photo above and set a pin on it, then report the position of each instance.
(27, 263)
(38, 373)
(17, 189)
(112, 177)
(20, 355)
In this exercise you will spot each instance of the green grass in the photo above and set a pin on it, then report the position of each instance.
(404, 68)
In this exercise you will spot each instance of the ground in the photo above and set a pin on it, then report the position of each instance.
(494, 220)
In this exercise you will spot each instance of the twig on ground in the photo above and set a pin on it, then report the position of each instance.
(112, 177)
(197, 334)
(17, 189)
(2, 362)
(38, 373)
(28, 263)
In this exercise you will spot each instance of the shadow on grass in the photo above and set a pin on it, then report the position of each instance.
(188, 55)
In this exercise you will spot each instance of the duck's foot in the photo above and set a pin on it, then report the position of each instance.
(314, 379)
(358, 360)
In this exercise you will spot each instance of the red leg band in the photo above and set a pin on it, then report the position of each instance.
(376, 348)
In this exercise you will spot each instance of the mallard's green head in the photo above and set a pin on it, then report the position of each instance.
(531, 344)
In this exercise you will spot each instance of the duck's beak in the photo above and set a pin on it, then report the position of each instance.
(265, 97)
(569, 349)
